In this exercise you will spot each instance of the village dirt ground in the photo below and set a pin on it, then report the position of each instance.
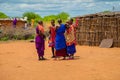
(18, 61)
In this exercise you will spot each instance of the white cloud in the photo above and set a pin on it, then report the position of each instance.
(46, 7)
(107, 2)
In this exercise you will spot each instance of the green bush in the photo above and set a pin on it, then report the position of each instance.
(17, 34)
(4, 38)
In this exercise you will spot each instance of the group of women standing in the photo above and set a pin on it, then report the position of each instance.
(61, 39)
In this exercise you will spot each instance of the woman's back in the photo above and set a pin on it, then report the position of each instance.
(60, 38)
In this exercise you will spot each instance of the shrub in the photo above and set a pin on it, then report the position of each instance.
(16, 33)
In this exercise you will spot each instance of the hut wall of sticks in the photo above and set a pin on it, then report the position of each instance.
(93, 28)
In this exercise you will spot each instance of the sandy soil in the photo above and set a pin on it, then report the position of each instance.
(18, 61)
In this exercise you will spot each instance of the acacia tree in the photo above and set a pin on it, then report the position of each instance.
(63, 15)
(50, 17)
(3, 15)
(107, 11)
(32, 15)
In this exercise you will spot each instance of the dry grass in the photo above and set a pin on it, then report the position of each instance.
(16, 33)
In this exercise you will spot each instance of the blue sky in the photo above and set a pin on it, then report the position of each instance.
(47, 7)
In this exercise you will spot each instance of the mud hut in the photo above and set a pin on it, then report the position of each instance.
(93, 28)
(8, 22)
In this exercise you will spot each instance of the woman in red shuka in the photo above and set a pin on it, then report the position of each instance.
(52, 33)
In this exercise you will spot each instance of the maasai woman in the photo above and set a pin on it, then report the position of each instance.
(60, 43)
(14, 23)
(71, 40)
(39, 40)
(52, 37)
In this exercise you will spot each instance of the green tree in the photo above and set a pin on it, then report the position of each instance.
(50, 17)
(107, 11)
(63, 15)
(3, 15)
(32, 15)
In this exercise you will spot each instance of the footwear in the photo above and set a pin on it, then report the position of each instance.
(43, 58)
(53, 57)
(39, 58)
(70, 58)
(64, 58)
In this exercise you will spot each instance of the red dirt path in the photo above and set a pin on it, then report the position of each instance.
(18, 61)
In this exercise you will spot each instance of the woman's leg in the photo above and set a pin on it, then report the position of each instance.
(42, 55)
(38, 52)
(53, 55)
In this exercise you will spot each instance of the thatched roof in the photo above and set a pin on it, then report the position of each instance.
(101, 14)
(10, 19)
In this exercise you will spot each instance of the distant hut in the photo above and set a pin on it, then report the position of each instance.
(93, 28)
(8, 22)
